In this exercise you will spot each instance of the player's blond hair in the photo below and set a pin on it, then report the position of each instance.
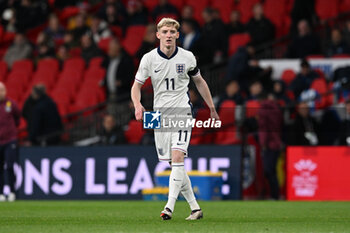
(168, 22)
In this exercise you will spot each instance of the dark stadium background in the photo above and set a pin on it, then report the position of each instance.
(243, 53)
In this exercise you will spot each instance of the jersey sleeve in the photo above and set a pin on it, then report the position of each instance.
(143, 71)
(193, 70)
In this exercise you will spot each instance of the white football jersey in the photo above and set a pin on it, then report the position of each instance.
(170, 76)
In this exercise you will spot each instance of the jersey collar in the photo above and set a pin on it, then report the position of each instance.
(165, 56)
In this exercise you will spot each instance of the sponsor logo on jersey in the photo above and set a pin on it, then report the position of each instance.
(180, 68)
(151, 120)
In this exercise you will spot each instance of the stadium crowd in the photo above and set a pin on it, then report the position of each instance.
(113, 35)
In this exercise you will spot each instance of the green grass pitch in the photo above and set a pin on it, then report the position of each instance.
(141, 216)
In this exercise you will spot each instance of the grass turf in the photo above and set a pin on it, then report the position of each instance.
(141, 216)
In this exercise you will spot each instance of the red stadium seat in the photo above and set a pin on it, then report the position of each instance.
(68, 12)
(225, 7)
(94, 74)
(25, 65)
(288, 76)
(14, 93)
(237, 40)
(132, 43)
(179, 4)
(45, 77)
(252, 108)
(117, 31)
(3, 71)
(134, 132)
(76, 63)
(202, 135)
(326, 9)
(17, 79)
(198, 7)
(344, 6)
(150, 4)
(228, 132)
(62, 100)
(320, 85)
(341, 56)
(75, 52)
(103, 44)
(84, 100)
(172, 16)
(276, 12)
(48, 64)
(95, 62)
(2, 32)
(246, 9)
(315, 56)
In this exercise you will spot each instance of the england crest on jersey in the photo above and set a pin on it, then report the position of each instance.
(180, 68)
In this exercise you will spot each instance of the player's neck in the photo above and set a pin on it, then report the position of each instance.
(168, 51)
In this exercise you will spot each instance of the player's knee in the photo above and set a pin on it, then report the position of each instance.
(177, 156)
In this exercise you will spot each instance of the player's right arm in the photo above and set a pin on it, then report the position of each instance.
(136, 100)
(140, 78)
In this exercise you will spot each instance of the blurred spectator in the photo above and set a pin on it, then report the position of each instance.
(89, 48)
(337, 44)
(279, 92)
(80, 28)
(255, 90)
(20, 49)
(346, 32)
(329, 127)
(305, 128)
(304, 79)
(187, 14)
(232, 92)
(9, 19)
(111, 134)
(238, 62)
(62, 53)
(45, 46)
(54, 29)
(188, 36)
(99, 29)
(119, 72)
(136, 13)
(163, 8)
(149, 41)
(235, 25)
(83, 8)
(302, 10)
(213, 39)
(113, 16)
(42, 117)
(305, 43)
(269, 129)
(260, 28)
(9, 121)
(113, 12)
(30, 13)
(64, 3)
(68, 40)
(344, 129)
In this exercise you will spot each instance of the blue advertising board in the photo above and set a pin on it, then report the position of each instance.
(119, 172)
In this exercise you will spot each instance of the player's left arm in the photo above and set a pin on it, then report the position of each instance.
(203, 89)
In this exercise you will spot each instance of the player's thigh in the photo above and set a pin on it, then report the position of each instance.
(181, 140)
(163, 145)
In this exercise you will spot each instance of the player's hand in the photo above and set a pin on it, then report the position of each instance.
(139, 112)
(215, 115)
